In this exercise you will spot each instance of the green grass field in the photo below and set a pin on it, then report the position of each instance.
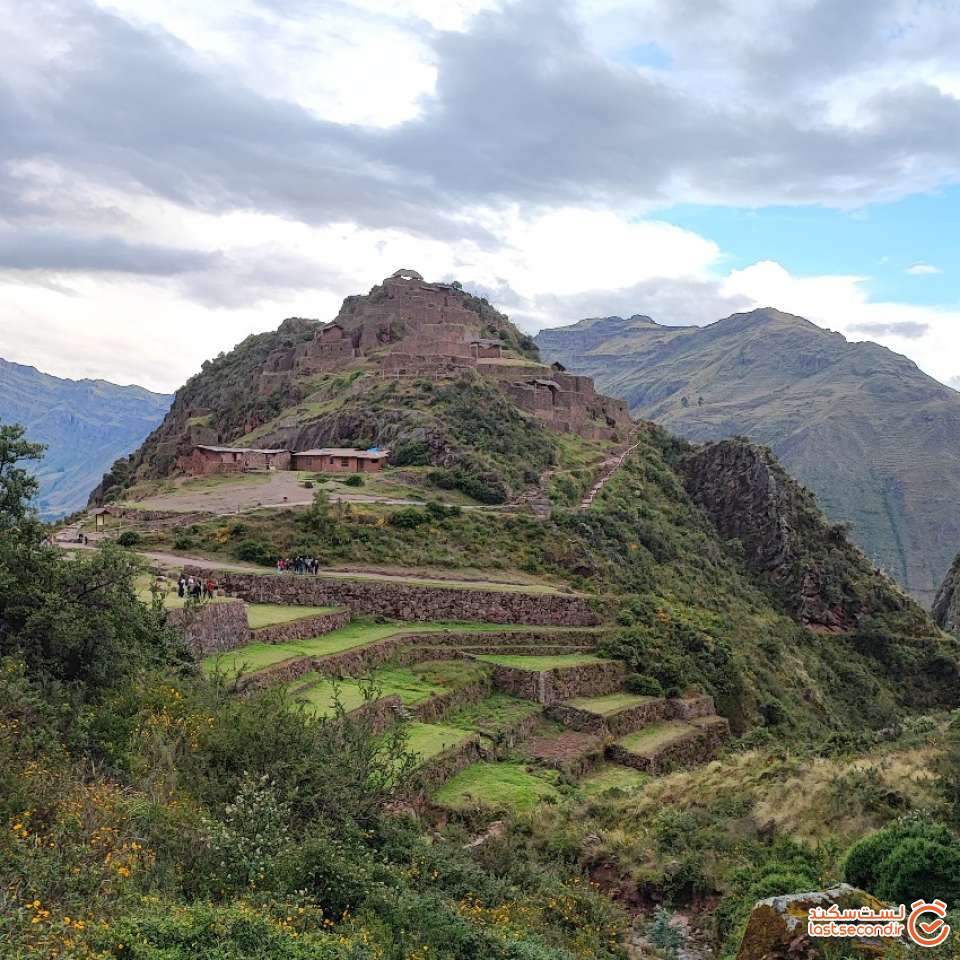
(541, 663)
(654, 736)
(610, 776)
(269, 614)
(611, 703)
(502, 786)
(428, 739)
(255, 656)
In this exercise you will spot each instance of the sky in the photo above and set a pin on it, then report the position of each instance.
(177, 175)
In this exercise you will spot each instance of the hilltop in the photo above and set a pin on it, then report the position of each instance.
(876, 439)
(379, 374)
(85, 424)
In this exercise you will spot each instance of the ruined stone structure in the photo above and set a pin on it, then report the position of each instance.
(205, 460)
(408, 327)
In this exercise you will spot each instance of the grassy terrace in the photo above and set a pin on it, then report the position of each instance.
(611, 703)
(269, 614)
(426, 740)
(320, 693)
(257, 656)
(610, 776)
(497, 712)
(654, 736)
(541, 663)
(498, 785)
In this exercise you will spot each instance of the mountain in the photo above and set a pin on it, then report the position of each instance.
(876, 439)
(85, 424)
(355, 381)
(712, 567)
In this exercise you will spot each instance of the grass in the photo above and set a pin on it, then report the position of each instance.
(610, 703)
(426, 740)
(496, 713)
(503, 786)
(321, 693)
(654, 736)
(268, 614)
(255, 656)
(612, 777)
(541, 663)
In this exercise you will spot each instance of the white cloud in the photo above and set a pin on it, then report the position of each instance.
(921, 269)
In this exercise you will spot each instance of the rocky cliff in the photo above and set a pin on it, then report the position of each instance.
(824, 580)
(946, 605)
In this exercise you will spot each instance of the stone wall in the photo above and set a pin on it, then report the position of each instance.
(302, 629)
(407, 601)
(211, 627)
(445, 765)
(562, 683)
(443, 704)
(698, 745)
(634, 718)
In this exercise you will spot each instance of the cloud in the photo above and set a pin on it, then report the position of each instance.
(909, 329)
(920, 269)
(954, 382)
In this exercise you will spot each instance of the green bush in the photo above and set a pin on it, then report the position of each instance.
(255, 551)
(408, 518)
(644, 685)
(129, 538)
(354, 480)
(183, 542)
(908, 860)
(440, 511)
(412, 453)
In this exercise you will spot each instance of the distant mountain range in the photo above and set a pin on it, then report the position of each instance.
(86, 425)
(876, 439)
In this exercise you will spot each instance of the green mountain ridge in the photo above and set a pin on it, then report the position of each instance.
(85, 424)
(876, 439)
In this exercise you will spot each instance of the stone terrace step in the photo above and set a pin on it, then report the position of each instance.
(570, 751)
(555, 683)
(663, 746)
(618, 714)
(477, 650)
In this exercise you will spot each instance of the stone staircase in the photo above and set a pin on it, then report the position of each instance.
(607, 469)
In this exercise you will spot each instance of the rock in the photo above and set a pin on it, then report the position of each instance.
(777, 928)
(946, 606)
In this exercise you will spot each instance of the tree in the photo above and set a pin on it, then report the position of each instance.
(17, 486)
(319, 516)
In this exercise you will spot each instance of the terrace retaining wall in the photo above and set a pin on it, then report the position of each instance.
(211, 627)
(443, 704)
(445, 765)
(561, 683)
(634, 718)
(697, 746)
(406, 601)
(302, 629)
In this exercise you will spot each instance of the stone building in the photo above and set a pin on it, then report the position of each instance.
(341, 460)
(205, 460)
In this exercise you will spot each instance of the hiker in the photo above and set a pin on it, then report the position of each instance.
(211, 588)
(181, 585)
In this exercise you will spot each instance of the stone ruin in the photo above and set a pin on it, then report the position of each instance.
(410, 328)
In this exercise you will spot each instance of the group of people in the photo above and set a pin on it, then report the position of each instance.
(195, 587)
(298, 565)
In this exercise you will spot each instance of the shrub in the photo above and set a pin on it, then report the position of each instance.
(255, 551)
(483, 489)
(907, 860)
(354, 480)
(407, 519)
(237, 530)
(644, 685)
(440, 511)
(183, 542)
(413, 453)
(129, 538)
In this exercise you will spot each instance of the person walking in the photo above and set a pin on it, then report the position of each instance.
(181, 585)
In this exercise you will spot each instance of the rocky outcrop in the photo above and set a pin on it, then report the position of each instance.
(946, 606)
(777, 928)
(824, 581)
